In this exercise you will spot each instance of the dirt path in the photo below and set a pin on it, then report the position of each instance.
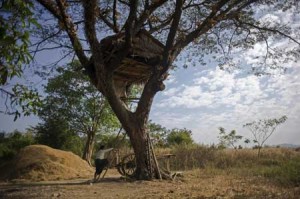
(194, 184)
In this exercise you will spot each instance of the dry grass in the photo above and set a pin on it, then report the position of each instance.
(278, 164)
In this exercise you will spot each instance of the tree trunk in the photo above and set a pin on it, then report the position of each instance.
(138, 139)
(89, 146)
(134, 123)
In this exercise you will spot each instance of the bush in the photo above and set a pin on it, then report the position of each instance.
(287, 173)
(11, 143)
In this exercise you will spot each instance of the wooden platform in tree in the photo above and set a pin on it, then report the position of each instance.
(138, 65)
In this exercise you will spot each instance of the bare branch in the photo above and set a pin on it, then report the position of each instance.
(107, 22)
(149, 9)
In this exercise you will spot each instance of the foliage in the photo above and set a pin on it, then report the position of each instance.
(286, 173)
(73, 99)
(11, 143)
(179, 137)
(114, 140)
(263, 129)
(158, 134)
(56, 133)
(163, 137)
(21, 96)
(16, 19)
(230, 139)
(83, 109)
(16, 24)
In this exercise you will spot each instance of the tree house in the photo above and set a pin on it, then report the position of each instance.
(139, 64)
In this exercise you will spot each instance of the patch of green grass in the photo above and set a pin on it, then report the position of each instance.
(287, 173)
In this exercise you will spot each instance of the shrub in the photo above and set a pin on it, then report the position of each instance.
(11, 143)
(287, 173)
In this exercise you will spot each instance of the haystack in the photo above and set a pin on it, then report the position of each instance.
(42, 163)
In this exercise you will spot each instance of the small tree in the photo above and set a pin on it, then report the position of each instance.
(263, 129)
(180, 136)
(230, 139)
(12, 143)
(158, 134)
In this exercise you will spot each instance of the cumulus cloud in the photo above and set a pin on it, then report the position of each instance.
(216, 98)
(211, 98)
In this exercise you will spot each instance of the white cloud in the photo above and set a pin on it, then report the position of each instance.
(216, 98)
(270, 19)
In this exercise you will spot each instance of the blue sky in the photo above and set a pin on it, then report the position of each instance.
(203, 98)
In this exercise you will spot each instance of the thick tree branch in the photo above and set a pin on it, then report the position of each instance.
(146, 100)
(59, 12)
(115, 25)
(166, 61)
(129, 34)
(160, 26)
(130, 23)
(107, 22)
(206, 25)
(51, 7)
(90, 7)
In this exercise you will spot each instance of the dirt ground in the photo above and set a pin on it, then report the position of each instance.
(193, 184)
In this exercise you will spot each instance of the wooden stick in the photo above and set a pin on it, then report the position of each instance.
(105, 172)
(154, 157)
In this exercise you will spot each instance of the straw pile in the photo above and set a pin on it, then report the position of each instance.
(42, 163)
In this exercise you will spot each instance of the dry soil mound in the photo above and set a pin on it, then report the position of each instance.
(42, 163)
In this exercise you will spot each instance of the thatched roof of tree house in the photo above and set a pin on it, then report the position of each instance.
(137, 67)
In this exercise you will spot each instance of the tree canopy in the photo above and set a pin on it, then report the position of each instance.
(81, 109)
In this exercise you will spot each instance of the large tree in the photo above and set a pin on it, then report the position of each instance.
(71, 98)
(154, 33)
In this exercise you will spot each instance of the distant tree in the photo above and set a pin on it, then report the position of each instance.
(230, 139)
(11, 143)
(158, 134)
(56, 133)
(179, 136)
(263, 129)
(79, 106)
